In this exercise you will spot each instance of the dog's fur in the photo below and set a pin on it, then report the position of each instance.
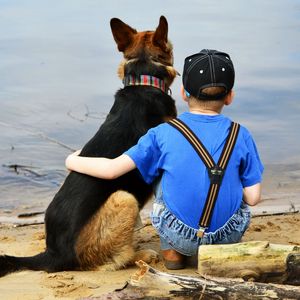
(90, 222)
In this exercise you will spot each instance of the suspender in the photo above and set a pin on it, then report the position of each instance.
(215, 171)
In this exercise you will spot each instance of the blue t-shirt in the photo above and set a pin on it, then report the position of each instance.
(185, 182)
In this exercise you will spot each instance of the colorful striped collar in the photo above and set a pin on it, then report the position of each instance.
(145, 80)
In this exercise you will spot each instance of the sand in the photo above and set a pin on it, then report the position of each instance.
(33, 285)
(280, 224)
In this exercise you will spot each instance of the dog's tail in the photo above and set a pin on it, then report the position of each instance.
(43, 261)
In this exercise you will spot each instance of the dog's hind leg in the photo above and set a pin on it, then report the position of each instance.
(107, 239)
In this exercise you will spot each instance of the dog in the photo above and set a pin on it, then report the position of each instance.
(90, 222)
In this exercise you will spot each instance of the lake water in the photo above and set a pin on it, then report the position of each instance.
(58, 65)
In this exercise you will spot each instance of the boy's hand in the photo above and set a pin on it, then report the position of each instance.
(68, 161)
(76, 153)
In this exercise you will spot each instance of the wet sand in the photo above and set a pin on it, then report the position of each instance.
(275, 219)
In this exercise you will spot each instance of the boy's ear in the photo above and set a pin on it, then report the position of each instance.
(183, 93)
(229, 98)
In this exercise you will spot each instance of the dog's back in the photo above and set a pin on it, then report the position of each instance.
(135, 110)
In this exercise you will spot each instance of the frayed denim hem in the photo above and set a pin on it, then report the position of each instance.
(184, 239)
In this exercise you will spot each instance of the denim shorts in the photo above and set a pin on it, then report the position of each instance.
(174, 234)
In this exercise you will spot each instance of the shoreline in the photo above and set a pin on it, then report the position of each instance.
(280, 194)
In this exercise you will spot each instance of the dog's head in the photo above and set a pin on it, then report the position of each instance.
(146, 51)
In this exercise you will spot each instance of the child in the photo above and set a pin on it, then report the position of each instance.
(164, 154)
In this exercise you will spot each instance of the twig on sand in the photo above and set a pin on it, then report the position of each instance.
(30, 214)
(28, 224)
(276, 214)
(292, 207)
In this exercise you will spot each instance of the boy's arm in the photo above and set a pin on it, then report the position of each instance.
(100, 167)
(252, 194)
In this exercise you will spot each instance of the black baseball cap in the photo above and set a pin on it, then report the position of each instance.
(208, 68)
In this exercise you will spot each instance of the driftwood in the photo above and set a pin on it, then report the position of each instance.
(148, 283)
(253, 261)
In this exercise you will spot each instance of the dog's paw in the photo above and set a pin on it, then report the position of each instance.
(147, 255)
(108, 267)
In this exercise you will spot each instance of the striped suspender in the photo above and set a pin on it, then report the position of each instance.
(215, 171)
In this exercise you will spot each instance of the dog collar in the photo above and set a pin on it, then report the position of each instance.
(146, 80)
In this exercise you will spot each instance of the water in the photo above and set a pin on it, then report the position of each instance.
(58, 65)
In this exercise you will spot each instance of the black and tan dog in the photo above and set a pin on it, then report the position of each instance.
(90, 222)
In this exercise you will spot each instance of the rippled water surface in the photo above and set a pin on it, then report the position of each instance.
(58, 64)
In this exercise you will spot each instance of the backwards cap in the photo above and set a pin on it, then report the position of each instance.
(208, 68)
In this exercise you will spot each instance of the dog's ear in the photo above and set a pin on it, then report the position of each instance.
(122, 33)
(160, 37)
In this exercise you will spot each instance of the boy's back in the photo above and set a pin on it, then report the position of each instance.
(185, 180)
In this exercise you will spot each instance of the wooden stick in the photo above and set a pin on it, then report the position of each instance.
(149, 283)
(256, 261)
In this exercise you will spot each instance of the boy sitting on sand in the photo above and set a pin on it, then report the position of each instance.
(191, 186)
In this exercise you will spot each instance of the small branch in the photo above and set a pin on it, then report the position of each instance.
(30, 214)
(28, 224)
(276, 214)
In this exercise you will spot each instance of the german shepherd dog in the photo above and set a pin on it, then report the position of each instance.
(90, 222)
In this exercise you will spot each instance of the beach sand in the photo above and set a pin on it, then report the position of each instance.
(279, 224)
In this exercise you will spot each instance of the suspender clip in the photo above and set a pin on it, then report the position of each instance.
(215, 174)
(201, 231)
